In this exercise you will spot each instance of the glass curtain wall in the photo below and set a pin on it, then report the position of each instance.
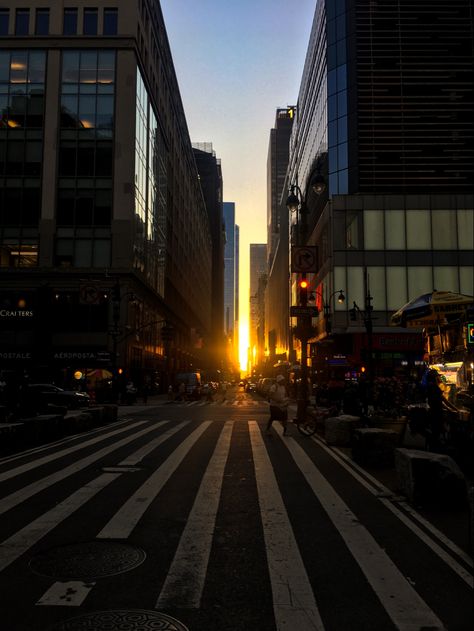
(22, 90)
(84, 206)
(150, 192)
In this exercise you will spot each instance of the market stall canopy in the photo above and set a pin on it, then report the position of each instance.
(431, 310)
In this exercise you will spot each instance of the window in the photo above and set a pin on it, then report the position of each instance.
(4, 19)
(22, 22)
(42, 22)
(373, 230)
(16, 254)
(90, 22)
(22, 88)
(110, 21)
(70, 22)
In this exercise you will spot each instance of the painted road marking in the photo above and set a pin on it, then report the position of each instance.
(294, 604)
(68, 594)
(17, 544)
(402, 603)
(35, 487)
(184, 583)
(11, 473)
(377, 487)
(127, 517)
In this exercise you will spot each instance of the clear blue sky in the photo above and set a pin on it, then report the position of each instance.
(236, 62)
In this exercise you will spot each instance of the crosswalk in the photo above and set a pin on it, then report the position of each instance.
(234, 403)
(318, 541)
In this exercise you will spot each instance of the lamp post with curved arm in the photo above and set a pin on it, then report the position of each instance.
(296, 203)
(327, 306)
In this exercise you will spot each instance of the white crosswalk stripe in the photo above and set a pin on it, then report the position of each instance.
(182, 582)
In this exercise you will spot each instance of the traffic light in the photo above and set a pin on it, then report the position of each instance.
(303, 291)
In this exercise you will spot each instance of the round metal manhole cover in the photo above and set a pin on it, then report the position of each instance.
(121, 620)
(87, 561)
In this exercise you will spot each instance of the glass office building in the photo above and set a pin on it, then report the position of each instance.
(384, 113)
(102, 221)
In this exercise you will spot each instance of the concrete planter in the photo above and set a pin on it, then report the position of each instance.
(397, 425)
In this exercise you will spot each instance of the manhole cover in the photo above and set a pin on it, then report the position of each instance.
(121, 620)
(87, 561)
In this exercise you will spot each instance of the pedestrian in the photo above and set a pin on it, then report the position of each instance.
(434, 395)
(170, 393)
(278, 397)
(145, 392)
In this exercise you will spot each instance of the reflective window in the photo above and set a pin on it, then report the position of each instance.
(4, 19)
(418, 230)
(420, 281)
(466, 229)
(444, 230)
(342, 157)
(373, 230)
(90, 22)
(342, 129)
(18, 253)
(466, 280)
(70, 22)
(353, 231)
(110, 21)
(22, 22)
(87, 100)
(22, 88)
(377, 287)
(355, 285)
(446, 278)
(42, 22)
(395, 229)
(397, 294)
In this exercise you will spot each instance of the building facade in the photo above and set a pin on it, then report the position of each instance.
(258, 276)
(384, 113)
(105, 247)
(210, 177)
(231, 262)
(277, 325)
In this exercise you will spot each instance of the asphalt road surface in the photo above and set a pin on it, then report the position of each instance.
(188, 516)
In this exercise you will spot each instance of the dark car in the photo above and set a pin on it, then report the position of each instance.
(49, 394)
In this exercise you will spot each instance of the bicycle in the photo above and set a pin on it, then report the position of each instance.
(314, 417)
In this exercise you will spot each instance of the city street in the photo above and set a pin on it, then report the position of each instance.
(189, 512)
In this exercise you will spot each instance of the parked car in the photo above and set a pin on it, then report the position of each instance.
(48, 393)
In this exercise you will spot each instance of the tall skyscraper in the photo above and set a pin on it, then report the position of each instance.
(105, 247)
(384, 114)
(231, 317)
(277, 328)
(258, 275)
(277, 165)
(210, 177)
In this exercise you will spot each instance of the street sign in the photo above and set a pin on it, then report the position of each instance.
(304, 259)
(298, 311)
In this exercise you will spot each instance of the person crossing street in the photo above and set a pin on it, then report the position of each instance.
(278, 397)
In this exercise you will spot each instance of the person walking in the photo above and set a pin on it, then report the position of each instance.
(278, 397)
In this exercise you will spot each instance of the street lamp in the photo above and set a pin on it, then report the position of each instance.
(296, 203)
(327, 306)
(366, 316)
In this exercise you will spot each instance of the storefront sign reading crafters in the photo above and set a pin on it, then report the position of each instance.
(13, 314)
